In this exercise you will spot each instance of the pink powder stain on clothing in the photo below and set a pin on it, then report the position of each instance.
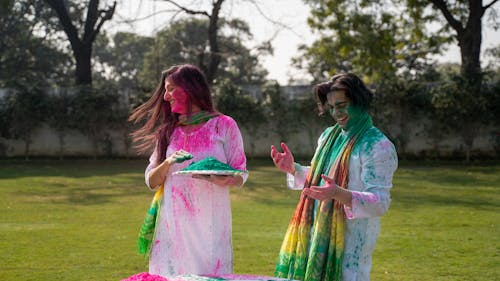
(385, 145)
(176, 193)
(217, 266)
(203, 139)
(365, 196)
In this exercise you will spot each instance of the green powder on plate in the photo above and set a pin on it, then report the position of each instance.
(209, 163)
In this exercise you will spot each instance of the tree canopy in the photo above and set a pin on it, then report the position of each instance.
(373, 38)
(42, 62)
(184, 42)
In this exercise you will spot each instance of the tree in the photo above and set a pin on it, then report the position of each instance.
(462, 111)
(90, 28)
(212, 35)
(26, 109)
(280, 112)
(214, 55)
(493, 66)
(366, 37)
(305, 117)
(184, 42)
(95, 112)
(60, 116)
(248, 112)
(465, 18)
(23, 43)
(396, 104)
(123, 57)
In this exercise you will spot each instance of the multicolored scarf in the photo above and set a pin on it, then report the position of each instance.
(147, 231)
(314, 242)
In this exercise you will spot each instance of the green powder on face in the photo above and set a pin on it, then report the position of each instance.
(209, 163)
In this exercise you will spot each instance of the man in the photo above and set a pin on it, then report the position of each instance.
(333, 231)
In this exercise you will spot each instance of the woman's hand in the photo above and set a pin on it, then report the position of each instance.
(158, 175)
(283, 161)
(220, 180)
(178, 157)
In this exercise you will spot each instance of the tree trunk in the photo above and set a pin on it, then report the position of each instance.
(469, 132)
(468, 36)
(82, 46)
(61, 145)
(214, 59)
(215, 56)
(469, 41)
(95, 144)
(27, 143)
(83, 74)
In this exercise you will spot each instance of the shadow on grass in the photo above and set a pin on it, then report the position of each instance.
(411, 201)
(78, 168)
(83, 195)
(455, 179)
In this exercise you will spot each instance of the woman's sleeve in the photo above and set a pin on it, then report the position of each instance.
(377, 170)
(233, 147)
(152, 165)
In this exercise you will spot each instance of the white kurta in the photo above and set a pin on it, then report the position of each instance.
(193, 235)
(371, 168)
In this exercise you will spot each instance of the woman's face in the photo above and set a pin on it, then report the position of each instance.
(177, 97)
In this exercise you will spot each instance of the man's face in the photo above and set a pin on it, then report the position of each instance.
(338, 104)
(177, 97)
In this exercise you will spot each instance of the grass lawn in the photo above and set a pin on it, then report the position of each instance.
(78, 220)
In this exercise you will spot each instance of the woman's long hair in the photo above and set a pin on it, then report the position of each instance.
(160, 121)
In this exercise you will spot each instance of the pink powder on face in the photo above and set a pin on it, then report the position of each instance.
(180, 101)
(177, 97)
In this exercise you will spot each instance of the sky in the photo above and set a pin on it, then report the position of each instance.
(285, 40)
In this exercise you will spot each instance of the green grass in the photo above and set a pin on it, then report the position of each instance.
(78, 220)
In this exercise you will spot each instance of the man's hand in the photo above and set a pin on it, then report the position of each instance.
(326, 192)
(283, 161)
(329, 191)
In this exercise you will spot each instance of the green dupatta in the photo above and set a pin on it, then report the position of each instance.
(313, 246)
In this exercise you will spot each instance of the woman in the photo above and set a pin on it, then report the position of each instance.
(193, 226)
(345, 190)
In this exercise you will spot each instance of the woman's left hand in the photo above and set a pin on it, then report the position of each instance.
(218, 179)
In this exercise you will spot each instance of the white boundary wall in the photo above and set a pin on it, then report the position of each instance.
(45, 142)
